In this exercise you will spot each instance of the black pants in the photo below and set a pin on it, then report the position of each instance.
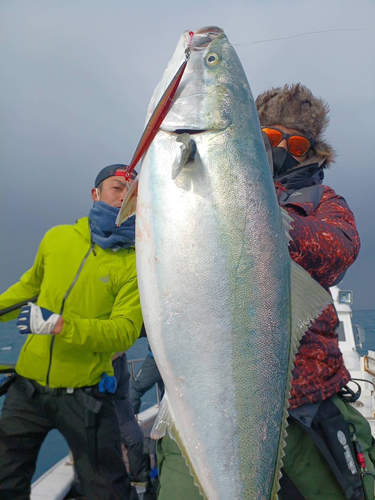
(145, 379)
(29, 415)
(131, 433)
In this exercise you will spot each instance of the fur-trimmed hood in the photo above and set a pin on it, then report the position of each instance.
(294, 106)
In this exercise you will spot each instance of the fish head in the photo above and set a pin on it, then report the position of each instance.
(207, 94)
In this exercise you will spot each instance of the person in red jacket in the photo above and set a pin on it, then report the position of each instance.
(320, 459)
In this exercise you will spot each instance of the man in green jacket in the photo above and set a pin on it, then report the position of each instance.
(87, 309)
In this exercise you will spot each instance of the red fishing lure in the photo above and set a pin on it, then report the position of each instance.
(159, 114)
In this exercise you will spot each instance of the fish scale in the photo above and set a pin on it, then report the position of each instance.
(215, 277)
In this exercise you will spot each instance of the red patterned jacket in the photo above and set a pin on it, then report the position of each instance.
(325, 243)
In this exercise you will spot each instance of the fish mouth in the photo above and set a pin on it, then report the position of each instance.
(189, 131)
(195, 131)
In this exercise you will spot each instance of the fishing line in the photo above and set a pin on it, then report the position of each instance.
(303, 34)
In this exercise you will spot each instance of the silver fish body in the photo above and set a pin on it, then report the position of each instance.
(215, 276)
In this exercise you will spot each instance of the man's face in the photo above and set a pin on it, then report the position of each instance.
(113, 191)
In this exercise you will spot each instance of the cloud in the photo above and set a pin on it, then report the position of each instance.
(77, 78)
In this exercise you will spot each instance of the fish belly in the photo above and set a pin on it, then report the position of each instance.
(214, 279)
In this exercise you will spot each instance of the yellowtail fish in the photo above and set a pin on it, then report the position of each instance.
(224, 305)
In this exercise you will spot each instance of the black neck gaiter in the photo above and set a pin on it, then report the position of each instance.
(283, 161)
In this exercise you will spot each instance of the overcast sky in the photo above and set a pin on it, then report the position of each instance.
(77, 76)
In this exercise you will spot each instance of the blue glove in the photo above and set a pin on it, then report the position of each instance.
(108, 384)
(35, 319)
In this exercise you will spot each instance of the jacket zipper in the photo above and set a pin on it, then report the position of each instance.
(63, 304)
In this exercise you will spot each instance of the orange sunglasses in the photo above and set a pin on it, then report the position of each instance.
(297, 144)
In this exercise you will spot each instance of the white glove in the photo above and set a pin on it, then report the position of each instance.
(35, 319)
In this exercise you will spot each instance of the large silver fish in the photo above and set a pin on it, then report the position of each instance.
(223, 304)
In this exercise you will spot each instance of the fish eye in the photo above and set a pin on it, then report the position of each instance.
(212, 59)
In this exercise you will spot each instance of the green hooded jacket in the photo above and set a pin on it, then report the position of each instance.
(95, 290)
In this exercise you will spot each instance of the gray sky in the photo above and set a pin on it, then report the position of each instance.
(77, 76)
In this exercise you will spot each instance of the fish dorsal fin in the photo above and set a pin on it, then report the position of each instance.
(287, 223)
(129, 205)
(308, 300)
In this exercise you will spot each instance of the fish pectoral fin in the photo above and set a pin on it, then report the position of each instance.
(163, 419)
(129, 205)
(188, 150)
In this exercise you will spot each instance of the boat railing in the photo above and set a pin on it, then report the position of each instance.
(369, 365)
(131, 363)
